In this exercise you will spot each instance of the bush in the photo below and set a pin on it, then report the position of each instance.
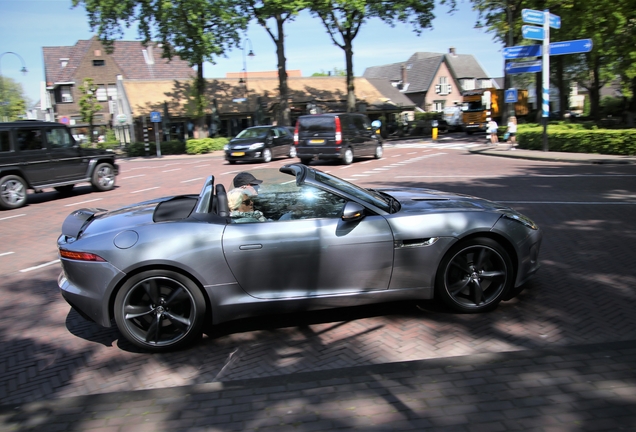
(205, 145)
(578, 139)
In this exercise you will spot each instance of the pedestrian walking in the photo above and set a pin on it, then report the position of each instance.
(512, 132)
(492, 130)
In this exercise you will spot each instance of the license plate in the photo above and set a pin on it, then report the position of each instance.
(317, 141)
(238, 154)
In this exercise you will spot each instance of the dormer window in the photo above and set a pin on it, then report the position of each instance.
(63, 62)
(99, 62)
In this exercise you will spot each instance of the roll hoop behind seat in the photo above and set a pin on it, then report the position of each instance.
(223, 208)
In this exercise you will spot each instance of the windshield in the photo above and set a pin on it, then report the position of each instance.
(371, 197)
(257, 132)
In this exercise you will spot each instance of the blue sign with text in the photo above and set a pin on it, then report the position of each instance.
(524, 67)
(532, 16)
(533, 32)
(571, 47)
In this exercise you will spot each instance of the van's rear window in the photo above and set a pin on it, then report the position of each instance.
(318, 124)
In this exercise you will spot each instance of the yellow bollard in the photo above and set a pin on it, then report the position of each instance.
(434, 133)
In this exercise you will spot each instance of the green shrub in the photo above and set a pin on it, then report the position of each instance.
(205, 145)
(579, 140)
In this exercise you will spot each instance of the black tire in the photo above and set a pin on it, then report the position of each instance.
(231, 162)
(292, 151)
(103, 177)
(13, 192)
(347, 157)
(379, 151)
(474, 276)
(305, 161)
(64, 190)
(267, 155)
(160, 310)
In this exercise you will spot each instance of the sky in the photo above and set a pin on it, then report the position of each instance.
(28, 25)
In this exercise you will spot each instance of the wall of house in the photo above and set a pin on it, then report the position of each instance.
(447, 100)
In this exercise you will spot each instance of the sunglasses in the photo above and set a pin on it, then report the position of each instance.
(248, 202)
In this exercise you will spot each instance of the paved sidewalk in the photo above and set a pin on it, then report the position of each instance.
(577, 388)
(503, 150)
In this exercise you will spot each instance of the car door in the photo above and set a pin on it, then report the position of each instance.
(33, 155)
(365, 134)
(314, 253)
(285, 139)
(68, 162)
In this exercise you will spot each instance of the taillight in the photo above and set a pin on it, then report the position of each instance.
(296, 134)
(338, 131)
(80, 256)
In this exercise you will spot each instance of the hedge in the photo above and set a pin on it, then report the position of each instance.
(205, 145)
(579, 140)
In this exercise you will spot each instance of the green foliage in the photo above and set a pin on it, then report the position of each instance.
(205, 145)
(611, 106)
(335, 72)
(429, 115)
(578, 139)
(13, 94)
(586, 106)
(88, 104)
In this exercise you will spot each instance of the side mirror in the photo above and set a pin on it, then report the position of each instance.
(352, 212)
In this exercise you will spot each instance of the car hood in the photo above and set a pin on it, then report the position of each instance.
(428, 200)
(245, 141)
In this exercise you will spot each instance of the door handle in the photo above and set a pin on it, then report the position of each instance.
(251, 247)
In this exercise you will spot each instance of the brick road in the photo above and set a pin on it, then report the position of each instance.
(583, 295)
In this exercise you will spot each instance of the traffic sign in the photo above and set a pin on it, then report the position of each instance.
(155, 117)
(522, 51)
(533, 32)
(122, 118)
(523, 67)
(510, 96)
(571, 47)
(532, 16)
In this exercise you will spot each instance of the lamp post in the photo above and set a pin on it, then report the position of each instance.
(4, 102)
(507, 77)
(243, 79)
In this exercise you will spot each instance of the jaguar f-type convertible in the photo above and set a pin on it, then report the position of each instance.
(165, 269)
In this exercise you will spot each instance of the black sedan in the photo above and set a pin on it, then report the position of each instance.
(261, 143)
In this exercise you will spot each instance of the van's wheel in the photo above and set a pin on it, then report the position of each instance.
(474, 276)
(104, 177)
(379, 151)
(160, 310)
(13, 192)
(267, 155)
(292, 151)
(347, 158)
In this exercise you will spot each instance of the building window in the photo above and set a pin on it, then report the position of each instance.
(438, 105)
(443, 88)
(66, 93)
(112, 91)
(99, 62)
(101, 93)
(63, 62)
(486, 83)
(468, 84)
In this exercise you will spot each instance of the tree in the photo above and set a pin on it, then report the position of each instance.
(278, 12)
(343, 19)
(88, 104)
(12, 98)
(195, 30)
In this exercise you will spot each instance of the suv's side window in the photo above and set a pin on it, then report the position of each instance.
(58, 138)
(5, 141)
(29, 139)
(359, 122)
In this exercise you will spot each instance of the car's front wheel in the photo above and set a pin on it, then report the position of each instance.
(379, 151)
(160, 310)
(474, 275)
(104, 177)
(13, 192)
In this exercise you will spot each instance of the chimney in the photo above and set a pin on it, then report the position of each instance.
(451, 50)
(403, 71)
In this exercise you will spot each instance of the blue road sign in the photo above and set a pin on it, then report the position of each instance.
(533, 32)
(155, 117)
(523, 67)
(571, 47)
(532, 16)
(510, 96)
(522, 51)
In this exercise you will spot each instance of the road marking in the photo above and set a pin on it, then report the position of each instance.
(174, 169)
(138, 168)
(39, 266)
(201, 166)
(145, 190)
(129, 177)
(82, 202)
(361, 175)
(6, 253)
(191, 180)
(366, 162)
(11, 217)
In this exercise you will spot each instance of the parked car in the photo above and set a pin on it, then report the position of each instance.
(164, 269)
(261, 143)
(38, 155)
(336, 136)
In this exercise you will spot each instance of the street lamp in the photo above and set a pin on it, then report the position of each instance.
(243, 79)
(4, 102)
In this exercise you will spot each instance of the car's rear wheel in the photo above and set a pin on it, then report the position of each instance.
(379, 151)
(474, 275)
(267, 155)
(104, 177)
(292, 151)
(347, 157)
(160, 310)
(13, 192)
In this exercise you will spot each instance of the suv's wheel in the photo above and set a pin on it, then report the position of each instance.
(267, 155)
(13, 192)
(379, 151)
(347, 158)
(104, 177)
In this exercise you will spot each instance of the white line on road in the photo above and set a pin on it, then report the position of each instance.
(6, 253)
(191, 180)
(366, 162)
(201, 166)
(145, 190)
(14, 216)
(82, 202)
(174, 169)
(40, 266)
(129, 177)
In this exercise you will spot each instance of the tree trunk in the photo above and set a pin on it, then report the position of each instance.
(595, 93)
(200, 131)
(351, 95)
(283, 91)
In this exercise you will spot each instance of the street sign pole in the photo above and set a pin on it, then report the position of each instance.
(546, 77)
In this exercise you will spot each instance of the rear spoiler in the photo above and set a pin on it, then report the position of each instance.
(74, 222)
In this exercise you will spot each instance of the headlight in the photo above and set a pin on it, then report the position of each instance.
(226, 147)
(256, 146)
(513, 215)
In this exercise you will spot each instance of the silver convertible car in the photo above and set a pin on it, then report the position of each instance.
(165, 269)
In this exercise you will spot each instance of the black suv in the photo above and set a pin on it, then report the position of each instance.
(341, 136)
(37, 155)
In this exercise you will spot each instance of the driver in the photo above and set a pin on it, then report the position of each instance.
(241, 203)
